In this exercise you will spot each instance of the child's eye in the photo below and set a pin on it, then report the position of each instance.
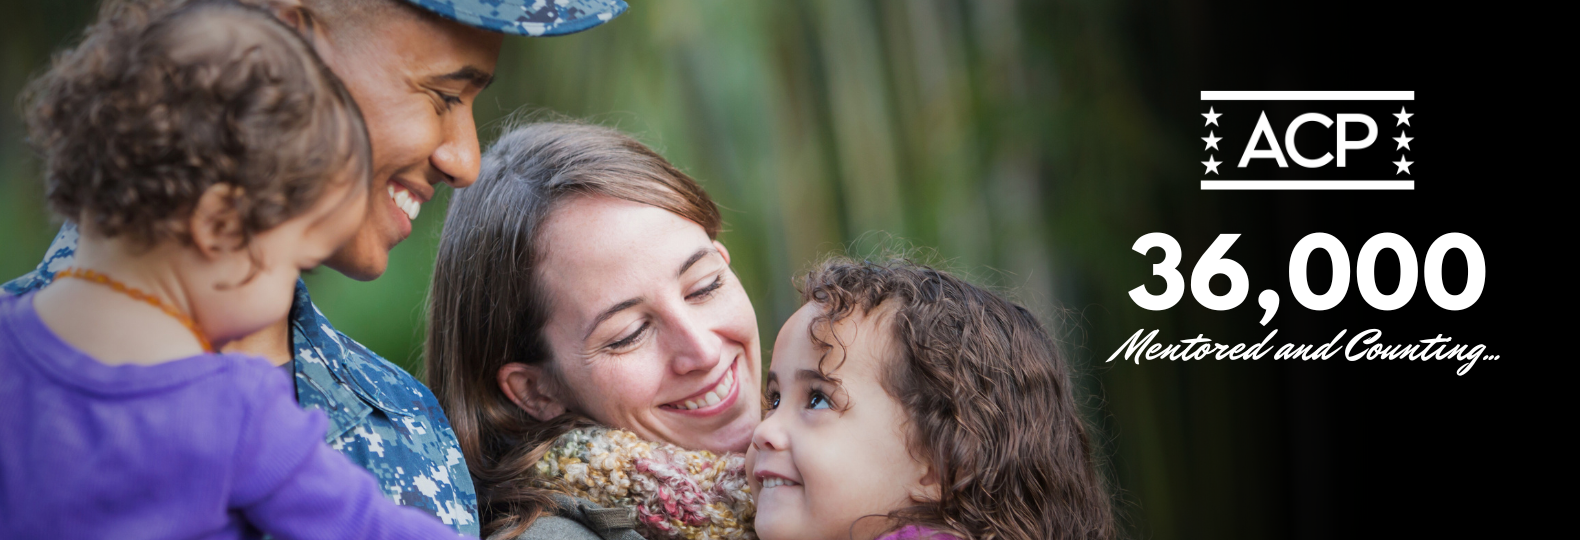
(773, 400)
(818, 401)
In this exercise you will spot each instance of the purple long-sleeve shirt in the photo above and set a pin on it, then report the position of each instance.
(211, 446)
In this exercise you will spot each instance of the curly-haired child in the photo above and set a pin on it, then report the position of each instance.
(208, 157)
(905, 403)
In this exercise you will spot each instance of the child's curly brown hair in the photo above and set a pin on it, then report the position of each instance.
(989, 400)
(153, 107)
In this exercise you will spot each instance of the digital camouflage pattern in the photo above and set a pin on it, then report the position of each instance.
(379, 415)
(527, 17)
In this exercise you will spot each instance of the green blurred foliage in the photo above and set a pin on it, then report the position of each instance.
(1014, 140)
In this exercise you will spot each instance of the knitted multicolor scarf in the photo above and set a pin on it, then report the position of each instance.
(677, 493)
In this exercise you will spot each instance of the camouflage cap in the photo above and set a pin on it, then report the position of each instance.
(527, 17)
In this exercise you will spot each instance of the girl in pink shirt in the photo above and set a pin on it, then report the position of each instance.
(907, 404)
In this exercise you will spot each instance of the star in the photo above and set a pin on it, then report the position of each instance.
(1212, 165)
(1404, 117)
(1212, 117)
(1404, 166)
(1404, 142)
(1212, 141)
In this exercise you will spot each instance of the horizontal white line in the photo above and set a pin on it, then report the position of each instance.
(1307, 95)
(1301, 185)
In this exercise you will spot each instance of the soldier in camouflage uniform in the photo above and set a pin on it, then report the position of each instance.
(379, 415)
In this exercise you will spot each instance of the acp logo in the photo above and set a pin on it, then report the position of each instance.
(1308, 140)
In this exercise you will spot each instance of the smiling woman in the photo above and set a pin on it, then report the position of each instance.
(641, 301)
(579, 283)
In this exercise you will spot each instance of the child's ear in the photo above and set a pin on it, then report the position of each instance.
(294, 15)
(290, 12)
(215, 224)
(928, 489)
(529, 388)
(722, 252)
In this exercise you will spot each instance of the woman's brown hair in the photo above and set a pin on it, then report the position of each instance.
(988, 397)
(487, 307)
(163, 99)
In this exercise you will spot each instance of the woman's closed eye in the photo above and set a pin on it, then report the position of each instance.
(708, 291)
(629, 340)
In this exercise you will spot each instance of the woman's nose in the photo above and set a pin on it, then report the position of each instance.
(697, 347)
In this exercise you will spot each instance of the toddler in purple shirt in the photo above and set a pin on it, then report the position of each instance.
(208, 157)
(208, 446)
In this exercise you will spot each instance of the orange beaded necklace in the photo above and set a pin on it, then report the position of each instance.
(89, 275)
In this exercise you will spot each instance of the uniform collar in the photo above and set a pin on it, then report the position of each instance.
(338, 375)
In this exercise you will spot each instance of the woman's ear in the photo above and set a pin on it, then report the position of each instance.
(215, 224)
(722, 251)
(529, 387)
